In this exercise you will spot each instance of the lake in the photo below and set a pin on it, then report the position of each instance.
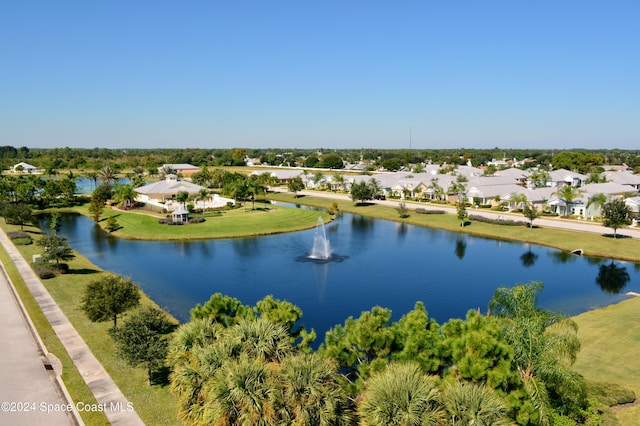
(383, 263)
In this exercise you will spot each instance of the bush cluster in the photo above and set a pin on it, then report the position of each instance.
(498, 221)
(44, 272)
(421, 210)
(169, 221)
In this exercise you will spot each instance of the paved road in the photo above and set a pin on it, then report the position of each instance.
(114, 404)
(27, 388)
(570, 224)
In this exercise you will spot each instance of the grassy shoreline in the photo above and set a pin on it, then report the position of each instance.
(627, 249)
(154, 404)
(237, 223)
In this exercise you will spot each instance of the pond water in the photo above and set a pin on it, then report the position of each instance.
(381, 263)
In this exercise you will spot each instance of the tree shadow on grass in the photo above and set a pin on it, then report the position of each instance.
(617, 236)
(83, 271)
(160, 376)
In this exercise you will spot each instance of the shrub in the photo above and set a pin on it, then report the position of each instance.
(22, 241)
(63, 268)
(18, 234)
(44, 272)
(196, 219)
(421, 210)
(498, 221)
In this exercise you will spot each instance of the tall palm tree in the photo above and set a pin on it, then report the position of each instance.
(470, 404)
(124, 195)
(518, 199)
(107, 176)
(545, 346)
(567, 194)
(597, 201)
(202, 195)
(401, 394)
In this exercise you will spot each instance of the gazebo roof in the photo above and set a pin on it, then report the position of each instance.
(179, 212)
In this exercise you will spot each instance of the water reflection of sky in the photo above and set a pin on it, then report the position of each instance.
(388, 264)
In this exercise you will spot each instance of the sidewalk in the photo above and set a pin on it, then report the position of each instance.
(29, 383)
(116, 407)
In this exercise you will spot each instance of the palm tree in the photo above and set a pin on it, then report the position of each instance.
(107, 176)
(401, 394)
(309, 392)
(124, 195)
(567, 194)
(470, 404)
(203, 194)
(597, 201)
(240, 393)
(339, 179)
(166, 170)
(436, 188)
(518, 198)
(182, 197)
(545, 346)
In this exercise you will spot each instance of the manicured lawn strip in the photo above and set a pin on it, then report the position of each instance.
(231, 224)
(72, 379)
(610, 340)
(155, 404)
(592, 244)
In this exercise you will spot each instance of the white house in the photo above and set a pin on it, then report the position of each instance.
(23, 167)
(163, 192)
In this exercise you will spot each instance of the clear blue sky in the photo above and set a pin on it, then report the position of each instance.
(310, 74)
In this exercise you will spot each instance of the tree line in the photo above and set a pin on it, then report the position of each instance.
(237, 364)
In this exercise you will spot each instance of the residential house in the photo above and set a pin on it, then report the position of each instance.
(24, 168)
(163, 193)
(563, 177)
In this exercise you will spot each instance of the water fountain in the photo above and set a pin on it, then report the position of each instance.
(321, 248)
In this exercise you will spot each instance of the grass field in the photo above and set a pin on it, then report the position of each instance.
(142, 225)
(610, 339)
(592, 244)
(155, 404)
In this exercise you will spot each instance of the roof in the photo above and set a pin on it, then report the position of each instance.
(563, 175)
(624, 178)
(181, 166)
(169, 187)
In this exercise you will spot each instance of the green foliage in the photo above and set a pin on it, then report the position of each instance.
(362, 191)
(332, 161)
(55, 249)
(225, 310)
(418, 338)
(142, 339)
(616, 214)
(249, 373)
(102, 193)
(296, 184)
(461, 212)
(577, 161)
(545, 345)
(108, 297)
(360, 346)
(402, 210)
(478, 352)
(112, 224)
(471, 404)
(401, 394)
(17, 214)
(229, 311)
(530, 213)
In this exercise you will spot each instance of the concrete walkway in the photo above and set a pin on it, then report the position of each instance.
(115, 405)
(31, 389)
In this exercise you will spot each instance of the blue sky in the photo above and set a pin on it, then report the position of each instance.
(311, 74)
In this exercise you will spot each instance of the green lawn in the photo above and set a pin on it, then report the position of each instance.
(239, 222)
(592, 244)
(155, 404)
(610, 339)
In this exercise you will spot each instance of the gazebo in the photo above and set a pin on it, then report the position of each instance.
(180, 215)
